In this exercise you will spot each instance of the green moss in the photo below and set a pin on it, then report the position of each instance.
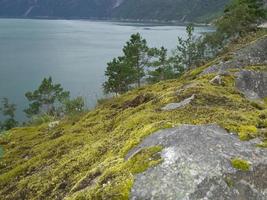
(247, 132)
(258, 105)
(257, 68)
(240, 164)
(229, 181)
(1, 152)
(262, 144)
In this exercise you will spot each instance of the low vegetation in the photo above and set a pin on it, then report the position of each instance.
(84, 159)
(7, 110)
(240, 164)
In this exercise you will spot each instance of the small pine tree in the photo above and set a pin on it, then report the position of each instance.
(8, 111)
(136, 57)
(128, 70)
(119, 76)
(162, 67)
(189, 51)
(46, 99)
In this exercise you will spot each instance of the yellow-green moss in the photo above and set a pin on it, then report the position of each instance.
(257, 68)
(240, 164)
(229, 181)
(101, 139)
(247, 132)
(262, 145)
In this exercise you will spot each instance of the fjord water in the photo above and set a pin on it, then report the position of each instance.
(73, 52)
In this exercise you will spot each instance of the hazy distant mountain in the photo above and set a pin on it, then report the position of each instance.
(126, 9)
(57, 8)
(185, 10)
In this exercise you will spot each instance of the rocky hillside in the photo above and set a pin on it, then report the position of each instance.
(201, 136)
(190, 10)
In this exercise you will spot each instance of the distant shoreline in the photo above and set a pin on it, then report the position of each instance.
(152, 21)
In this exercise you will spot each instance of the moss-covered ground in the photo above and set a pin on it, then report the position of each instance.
(240, 164)
(84, 158)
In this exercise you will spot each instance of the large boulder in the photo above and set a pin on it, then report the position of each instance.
(197, 164)
(252, 83)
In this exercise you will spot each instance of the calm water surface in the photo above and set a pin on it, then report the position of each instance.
(73, 52)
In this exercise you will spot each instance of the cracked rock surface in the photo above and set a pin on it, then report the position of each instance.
(197, 165)
(253, 84)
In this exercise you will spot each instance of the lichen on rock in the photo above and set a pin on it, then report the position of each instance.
(196, 160)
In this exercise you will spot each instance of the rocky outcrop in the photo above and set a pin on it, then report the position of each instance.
(173, 106)
(252, 83)
(197, 165)
(253, 54)
(217, 80)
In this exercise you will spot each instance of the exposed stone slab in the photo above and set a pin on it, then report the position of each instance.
(217, 80)
(197, 166)
(252, 83)
(173, 106)
(253, 54)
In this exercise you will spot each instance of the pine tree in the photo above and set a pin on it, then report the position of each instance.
(8, 111)
(189, 51)
(136, 57)
(119, 76)
(240, 17)
(162, 68)
(46, 99)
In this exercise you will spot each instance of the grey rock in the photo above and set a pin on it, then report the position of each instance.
(253, 84)
(253, 54)
(217, 80)
(224, 73)
(173, 106)
(196, 165)
(54, 124)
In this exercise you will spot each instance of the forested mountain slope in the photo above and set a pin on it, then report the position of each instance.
(183, 10)
(189, 10)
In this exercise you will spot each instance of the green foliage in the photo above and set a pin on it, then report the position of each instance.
(240, 164)
(72, 106)
(119, 76)
(47, 98)
(41, 118)
(8, 111)
(240, 18)
(139, 61)
(136, 57)
(128, 70)
(189, 52)
(162, 67)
